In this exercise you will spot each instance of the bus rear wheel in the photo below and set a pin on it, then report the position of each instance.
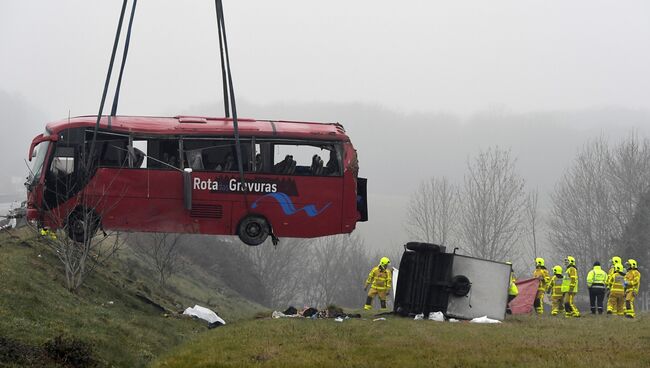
(82, 224)
(253, 230)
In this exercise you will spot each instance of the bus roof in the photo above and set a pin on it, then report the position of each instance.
(200, 125)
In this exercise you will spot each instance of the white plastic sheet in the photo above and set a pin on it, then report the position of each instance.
(419, 317)
(484, 319)
(204, 314)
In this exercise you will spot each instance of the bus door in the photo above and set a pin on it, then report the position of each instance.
(213, 161)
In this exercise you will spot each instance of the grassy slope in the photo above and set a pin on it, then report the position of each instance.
(35, 307)
(520, 342)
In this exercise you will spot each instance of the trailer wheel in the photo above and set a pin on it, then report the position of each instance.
(253, 230)
(82, 224)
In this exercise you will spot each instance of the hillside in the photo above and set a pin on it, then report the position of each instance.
(121, 314)
(526, 341)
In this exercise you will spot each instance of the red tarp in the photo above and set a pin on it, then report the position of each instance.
(523, 303)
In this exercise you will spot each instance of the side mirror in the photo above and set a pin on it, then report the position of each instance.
(187, 188)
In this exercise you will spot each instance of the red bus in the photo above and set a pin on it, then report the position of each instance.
(180, 175)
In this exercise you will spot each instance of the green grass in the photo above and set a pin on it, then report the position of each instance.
(35, 307)
(123, 330)
(526, 341)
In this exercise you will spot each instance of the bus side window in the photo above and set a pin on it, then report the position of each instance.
(110, 149)
(163, 154)
(306, 159)
(216, 155)
(137, 154)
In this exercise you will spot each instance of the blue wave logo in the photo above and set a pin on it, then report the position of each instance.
(288, 207)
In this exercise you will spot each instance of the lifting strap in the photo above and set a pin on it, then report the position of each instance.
(226, 100)
(90, 162)
(227, 79)
(116, 98)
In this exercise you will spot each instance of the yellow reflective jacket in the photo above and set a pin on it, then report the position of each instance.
(513, 290)
(541, 273)
(570, 281)
(633, 279)
(615, 283)
(380, 279)
(555, 285)
(596, 278)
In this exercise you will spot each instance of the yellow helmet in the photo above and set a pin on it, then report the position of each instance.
(618, 267)
(557, 269)
(570, 261)
(631, 264)
(384, 261)
(616, 259)
(539, 262)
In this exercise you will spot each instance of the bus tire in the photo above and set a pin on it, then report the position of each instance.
(253, 230)
(76, 224)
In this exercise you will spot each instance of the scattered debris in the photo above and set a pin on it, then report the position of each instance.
(338, 319)
(419, 317)
(277, 314)
(331, 311)
(436, 316)
(379, 319)
(453, 320)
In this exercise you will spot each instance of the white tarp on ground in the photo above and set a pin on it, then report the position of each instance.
(484, 319)
(204, 314)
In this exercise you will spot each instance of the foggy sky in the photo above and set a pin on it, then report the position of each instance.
(420, 85)
(408, 55)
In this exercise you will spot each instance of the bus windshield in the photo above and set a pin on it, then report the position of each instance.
(37, 163)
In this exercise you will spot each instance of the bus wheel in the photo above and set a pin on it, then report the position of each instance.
(253, 230)
(82, 224)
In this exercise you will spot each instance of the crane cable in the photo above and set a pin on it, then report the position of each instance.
(90, 160)
(227, 84)
(228, 89)
(226, 100)
(116, 98)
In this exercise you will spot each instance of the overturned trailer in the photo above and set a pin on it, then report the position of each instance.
(464, 287)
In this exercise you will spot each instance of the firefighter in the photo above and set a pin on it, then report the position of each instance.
(570, 287)
(513, 291)
(596, 281)
(555, 289)
(616, 299)
(612, 264)
(380, 281)
(632, 281)
(541, 273)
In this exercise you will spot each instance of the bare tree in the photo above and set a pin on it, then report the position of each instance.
(281, 269)
(162, 252)
(338, 268)
(432, 212)
(598, 197)
(532, 217)
(493, 206)
(76, 243)
(582, 223)
(628, 174)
